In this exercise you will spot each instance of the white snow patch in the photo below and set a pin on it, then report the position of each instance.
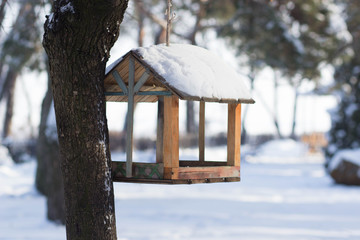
(283, 148)
(51, 130)
(107, 188)
(283, 151)
(195, 71)
(112, 65)
(51, 20)
(351, 155)
(272, 201)
(51, 17)
(67, 8)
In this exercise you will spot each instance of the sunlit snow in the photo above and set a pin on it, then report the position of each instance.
(195, 71)
(295, 200)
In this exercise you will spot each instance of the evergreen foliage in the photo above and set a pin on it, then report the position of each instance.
(291, 36)
(345, 130)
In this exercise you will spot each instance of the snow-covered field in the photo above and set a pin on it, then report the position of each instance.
(275, 200)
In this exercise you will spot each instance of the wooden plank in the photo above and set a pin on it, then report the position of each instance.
(140, 170)
(112, 88)
(115, 94)
(248, 101)
(146, 88)
(171, 172)
(189, 163)
(120, 81)
(210, 99)
(208, 172)
(176, 181)
(156, 93)
(202, 132)
(171, 132)
(141, 82)
(234, 134)
(150, 93)
(130, 119)
(124, 70)
(139, 71)
(228, 100)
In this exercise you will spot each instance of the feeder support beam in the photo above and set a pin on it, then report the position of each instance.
(202, 132)
(141, 82)
(234, 134)
(171, 136)
(130, 118)
(120, 82)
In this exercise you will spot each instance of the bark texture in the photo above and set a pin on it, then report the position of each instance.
(78, 37)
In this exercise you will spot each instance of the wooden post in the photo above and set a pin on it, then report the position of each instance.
(171, 137)
(160, 131)
(130, 118)
(202, 132)
(234, 134)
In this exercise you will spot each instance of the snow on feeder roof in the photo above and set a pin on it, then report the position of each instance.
(190, 72)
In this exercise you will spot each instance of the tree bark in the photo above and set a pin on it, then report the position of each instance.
(42, 152)
(9, 92)
(78, 37)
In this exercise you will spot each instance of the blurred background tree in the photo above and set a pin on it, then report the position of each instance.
(294, 38)
(345, 130)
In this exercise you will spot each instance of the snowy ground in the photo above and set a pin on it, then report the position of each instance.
(274, 200)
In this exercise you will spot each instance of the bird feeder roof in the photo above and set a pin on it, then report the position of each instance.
(190, 72)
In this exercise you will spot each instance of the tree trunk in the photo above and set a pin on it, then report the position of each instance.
(41, 180)
(276, 94)
(271, 113)
(244, 117)
(190, 111)
(296, 87)
(9, 93)
(48, 174)
(78, 37)
(190, 118)
(293, 135)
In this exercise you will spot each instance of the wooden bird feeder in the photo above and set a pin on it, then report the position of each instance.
(160, 72)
